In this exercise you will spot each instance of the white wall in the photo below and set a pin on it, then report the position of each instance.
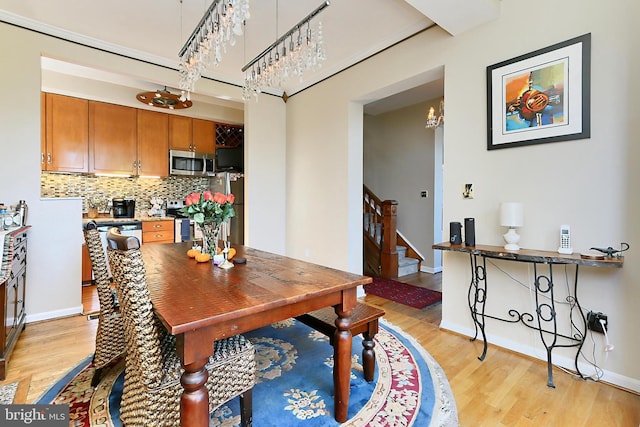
(399, 165)
(265, 174)
(588, 183)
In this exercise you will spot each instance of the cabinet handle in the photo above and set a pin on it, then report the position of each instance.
(194, 147)
(48, 158)
(157, 226)
(158, 235)
(41, 157)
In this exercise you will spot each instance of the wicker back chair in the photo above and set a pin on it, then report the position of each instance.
(152, 389)
(110, 333)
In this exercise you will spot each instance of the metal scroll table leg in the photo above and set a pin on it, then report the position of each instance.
(581, 334)
(476, 299)
(546, 313)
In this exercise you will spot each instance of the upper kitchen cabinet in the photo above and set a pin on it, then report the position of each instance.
(229, 135)
(188, 134)
(66, 140)
(204, 135)
(112, 139)
(153, 143)
(181, 133)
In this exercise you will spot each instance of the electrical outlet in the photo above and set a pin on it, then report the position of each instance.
(593, 322)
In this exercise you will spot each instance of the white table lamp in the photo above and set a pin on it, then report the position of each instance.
(511, 216)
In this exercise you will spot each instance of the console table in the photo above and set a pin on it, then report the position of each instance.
(544, 319)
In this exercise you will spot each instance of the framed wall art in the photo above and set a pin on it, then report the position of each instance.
(540, 97)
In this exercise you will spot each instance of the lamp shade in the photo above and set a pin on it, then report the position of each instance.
(511, 214)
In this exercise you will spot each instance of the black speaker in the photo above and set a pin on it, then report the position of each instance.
(455, 233)
(469, 231)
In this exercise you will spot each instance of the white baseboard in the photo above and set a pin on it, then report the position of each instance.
(71, 311)
(541, 354)
(430, 270)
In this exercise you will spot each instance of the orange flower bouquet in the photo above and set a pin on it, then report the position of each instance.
(209, 210)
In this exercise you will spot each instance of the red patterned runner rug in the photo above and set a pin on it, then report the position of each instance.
(412, 296)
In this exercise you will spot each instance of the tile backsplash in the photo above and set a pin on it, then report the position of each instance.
(102, 189)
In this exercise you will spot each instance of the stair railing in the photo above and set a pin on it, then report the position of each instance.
(380, 224)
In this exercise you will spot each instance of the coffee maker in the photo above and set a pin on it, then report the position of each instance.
(124, 208)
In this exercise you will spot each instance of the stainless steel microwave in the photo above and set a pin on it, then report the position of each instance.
(191, 163)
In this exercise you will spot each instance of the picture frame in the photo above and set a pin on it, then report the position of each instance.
(540, 97)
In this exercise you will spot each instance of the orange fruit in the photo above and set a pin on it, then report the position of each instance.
(231, 253)
(203, 257)
(192, 252)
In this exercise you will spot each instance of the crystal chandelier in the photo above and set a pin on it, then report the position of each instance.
(432, 120)
(298, 50)
(219, 26)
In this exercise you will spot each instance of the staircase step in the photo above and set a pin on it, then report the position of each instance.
(407, 266)
(402, 252)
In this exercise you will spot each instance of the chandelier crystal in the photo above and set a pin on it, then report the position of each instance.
(298, 50)
(432, 120)
(219, 26)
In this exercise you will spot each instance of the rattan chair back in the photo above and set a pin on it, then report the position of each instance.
(110, 333)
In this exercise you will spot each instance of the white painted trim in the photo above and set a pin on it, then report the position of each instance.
(540, 354)
(72, 311)
(430, 270)
(411, 246)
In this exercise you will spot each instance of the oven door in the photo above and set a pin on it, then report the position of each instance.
(186, 230)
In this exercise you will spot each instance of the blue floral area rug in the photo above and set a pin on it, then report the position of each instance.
(295, 384)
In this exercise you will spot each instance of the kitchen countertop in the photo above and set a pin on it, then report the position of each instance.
(102, 219)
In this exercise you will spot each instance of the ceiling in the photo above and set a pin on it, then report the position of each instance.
(155, 30)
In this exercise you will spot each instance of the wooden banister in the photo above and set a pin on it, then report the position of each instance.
(380, 227)
(389, 259)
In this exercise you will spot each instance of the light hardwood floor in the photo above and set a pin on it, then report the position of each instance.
(506, 389)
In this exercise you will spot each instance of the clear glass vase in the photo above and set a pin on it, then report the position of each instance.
(210, 237)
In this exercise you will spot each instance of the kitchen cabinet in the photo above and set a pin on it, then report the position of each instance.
(204, 135)
(12, 293)
(87, 272)
(112, 139)
(66, 134)
(153, 143)
(157, 232)
(181, 133)
(188, 134)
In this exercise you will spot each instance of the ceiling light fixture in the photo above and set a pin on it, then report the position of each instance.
(163, 99)
(291, 54)
(219, 25)
(432, 120)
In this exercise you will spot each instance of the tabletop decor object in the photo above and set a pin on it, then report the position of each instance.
(512, 217)
(226, 254)
(209, 210)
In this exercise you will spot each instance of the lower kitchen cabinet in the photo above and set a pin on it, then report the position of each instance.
(13, 274)
(87, 268)
(157, 232)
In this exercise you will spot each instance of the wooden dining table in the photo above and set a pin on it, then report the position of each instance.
(200, 303)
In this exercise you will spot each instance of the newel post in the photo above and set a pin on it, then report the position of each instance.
(389, 255)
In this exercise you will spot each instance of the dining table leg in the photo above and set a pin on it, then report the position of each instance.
(194, 402)
(342, 364)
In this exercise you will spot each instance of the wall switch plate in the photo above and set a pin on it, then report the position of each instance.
(467, 191)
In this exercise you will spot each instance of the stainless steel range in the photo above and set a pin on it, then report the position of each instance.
(185, 229)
